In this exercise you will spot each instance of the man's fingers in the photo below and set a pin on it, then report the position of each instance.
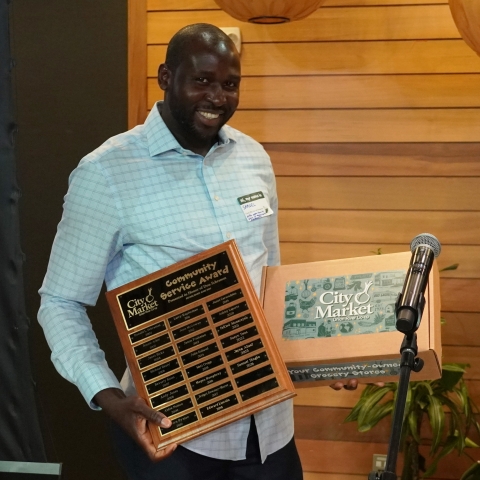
(151, 415)
(351, 385)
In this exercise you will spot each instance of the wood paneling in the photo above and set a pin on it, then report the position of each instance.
(467, 256)
(354, 91)
(379, 193)
(417, 125)
(327, 397)
(326, 24)
(461, 329)
(460, 295)
(329, 424)
(375, 159)
(355, 58)
(455, 228)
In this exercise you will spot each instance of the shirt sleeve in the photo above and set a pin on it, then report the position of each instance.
(88, 237)
(273, 241)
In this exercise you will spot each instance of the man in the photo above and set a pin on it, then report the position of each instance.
(144, 200)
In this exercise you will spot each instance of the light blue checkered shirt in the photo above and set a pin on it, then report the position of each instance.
(138, 203)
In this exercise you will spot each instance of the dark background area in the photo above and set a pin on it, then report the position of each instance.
(70, 88)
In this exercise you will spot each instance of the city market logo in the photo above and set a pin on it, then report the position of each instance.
(343, 305)
(140, 306)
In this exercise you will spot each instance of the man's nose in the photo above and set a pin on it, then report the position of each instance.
(216, 94)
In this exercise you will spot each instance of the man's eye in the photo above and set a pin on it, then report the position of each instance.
(231, 85)
(202, 80)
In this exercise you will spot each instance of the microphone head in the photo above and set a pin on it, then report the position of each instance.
(426, 240)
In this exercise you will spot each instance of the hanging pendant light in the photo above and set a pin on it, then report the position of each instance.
(269, 11)
(466, 15)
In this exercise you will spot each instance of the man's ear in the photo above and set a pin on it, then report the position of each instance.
(164, 76)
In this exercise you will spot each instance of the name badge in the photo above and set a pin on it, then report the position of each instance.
(255, 206)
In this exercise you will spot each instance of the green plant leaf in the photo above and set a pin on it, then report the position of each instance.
(450, 379)
(473, 473)
(436, 416)
(457, 422)
(378, 412)
(470, 443)
(353, 415)
(456, 367)
(370, 402)
(413, 425)
(454, 266)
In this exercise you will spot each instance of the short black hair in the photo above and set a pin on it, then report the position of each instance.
(178, 45)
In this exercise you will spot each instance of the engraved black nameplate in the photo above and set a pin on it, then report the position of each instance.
(229, 312)
(204, 366)
(249, 362)
(234, 324)
(147, 332)
(253, 376)
(160, 370)
(169, 396)
(239, 337)
(152, 344)
(209, 379)
(156, 357)
(184, 316)
(244, 349)
(224, 299)
(218, 406)
(194, 341)
(177, 407)
(179, 422)
(164, 382)
(200, 353)
(211, 393)
(256, 390)
(191, 328)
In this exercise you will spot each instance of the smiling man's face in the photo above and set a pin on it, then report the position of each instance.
(201, 94)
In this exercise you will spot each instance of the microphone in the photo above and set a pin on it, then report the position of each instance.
(410, 303)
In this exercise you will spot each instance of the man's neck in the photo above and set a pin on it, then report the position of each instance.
(202, 148)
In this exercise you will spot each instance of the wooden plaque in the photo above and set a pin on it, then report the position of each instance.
(198, 345)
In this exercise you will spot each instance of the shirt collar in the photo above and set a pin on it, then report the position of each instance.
(161, 140)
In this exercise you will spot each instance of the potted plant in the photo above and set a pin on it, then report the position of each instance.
(445, 403)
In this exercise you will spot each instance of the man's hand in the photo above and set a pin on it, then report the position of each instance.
(351, 385)
(132, 414)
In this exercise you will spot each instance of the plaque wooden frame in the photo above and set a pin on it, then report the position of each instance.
(193, 335)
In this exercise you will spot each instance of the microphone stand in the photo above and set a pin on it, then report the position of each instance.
(408, 363)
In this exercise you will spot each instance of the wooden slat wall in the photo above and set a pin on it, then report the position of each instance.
(370, 111)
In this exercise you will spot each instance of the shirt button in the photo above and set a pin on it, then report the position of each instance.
(229, 235)
(217, 198)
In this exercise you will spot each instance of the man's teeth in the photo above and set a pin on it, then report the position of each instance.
(209, 115)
